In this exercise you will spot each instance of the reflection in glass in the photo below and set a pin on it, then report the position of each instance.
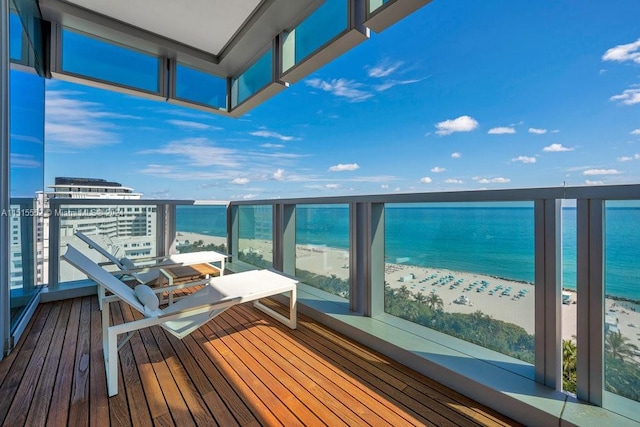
(464, 269)
(96, 59)
(320, 27)
(15, 37)
(622, 302)
(259, 75)
(197, 86)
(322, 247)
(201, 228)
(255, 237)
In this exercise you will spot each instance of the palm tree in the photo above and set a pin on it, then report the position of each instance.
(569, 359)
(435, 302)
(420, 298)
(404, 292)
(617, 346)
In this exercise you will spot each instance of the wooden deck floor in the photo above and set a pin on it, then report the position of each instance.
(242, 368)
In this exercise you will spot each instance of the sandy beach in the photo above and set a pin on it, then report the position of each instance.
(485, 293)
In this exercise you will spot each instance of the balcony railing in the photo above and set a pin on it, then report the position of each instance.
(481, 290)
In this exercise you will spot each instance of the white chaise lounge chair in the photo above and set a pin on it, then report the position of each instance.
(151, 272)
(184, 316)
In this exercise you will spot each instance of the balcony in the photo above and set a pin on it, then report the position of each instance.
(239, 369)
(479, 291)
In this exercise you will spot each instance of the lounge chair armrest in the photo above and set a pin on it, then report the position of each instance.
(199, 309)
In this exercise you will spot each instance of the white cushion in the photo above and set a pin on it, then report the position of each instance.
(147, 297)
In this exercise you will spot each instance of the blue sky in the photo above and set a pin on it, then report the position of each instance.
(459, 96)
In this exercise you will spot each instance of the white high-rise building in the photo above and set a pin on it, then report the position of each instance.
(125, 230)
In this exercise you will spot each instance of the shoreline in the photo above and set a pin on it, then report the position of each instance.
(516, 306)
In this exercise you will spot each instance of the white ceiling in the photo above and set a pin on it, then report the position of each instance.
(207, 25)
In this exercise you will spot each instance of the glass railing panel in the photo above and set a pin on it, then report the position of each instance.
(200, 87)
(324, 24)
(23, 217)
(464, 269)
(15, 38)
(622, 300)
(255, 78)
(322, 247)
(201, 228)
(255, 235)
(123, 231)
(96, 59)
(570, 300)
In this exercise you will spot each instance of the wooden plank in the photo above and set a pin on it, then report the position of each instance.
(259, 399)
(281, 384)
(444, 400)
(372, 407)
(98, 400)
(37, 415)
(229, 407)
(372, 385)
(193, 401)
(19, 409)
(59, 409)
(8, 360)
(323, 402)
(79, 405)
(18, 360)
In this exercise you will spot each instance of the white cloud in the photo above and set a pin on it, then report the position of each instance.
(453, 181)
(592, 172)
(501, 130)
(391, 83)
(629, 158)
(437, 169)
(555, 131)
(269, 145)
(537, 131)
(383, 69)
(276, 135)
(556, 148)
(384, 186)
(279, 175)
(589, 182)
(524, 159)
(333, 186)
(635, 132)
(344, 167)
(200, 152)
(190, 125)
(72, 122)
(624, 52)
(456, 155)
(24, 161)
(240, 181)
(426, 180)
(497, 180)
(628, 97)
(461, 124)
(341, 87)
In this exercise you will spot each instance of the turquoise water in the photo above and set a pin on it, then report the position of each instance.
(496, 241)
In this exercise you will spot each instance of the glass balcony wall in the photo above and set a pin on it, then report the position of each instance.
(201, 228)
(255, 235)
(322, 247)
(465, 269)
(621, 303)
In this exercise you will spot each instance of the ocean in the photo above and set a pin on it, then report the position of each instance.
(497, 241)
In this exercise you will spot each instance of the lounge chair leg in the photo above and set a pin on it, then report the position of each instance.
(111, 362)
